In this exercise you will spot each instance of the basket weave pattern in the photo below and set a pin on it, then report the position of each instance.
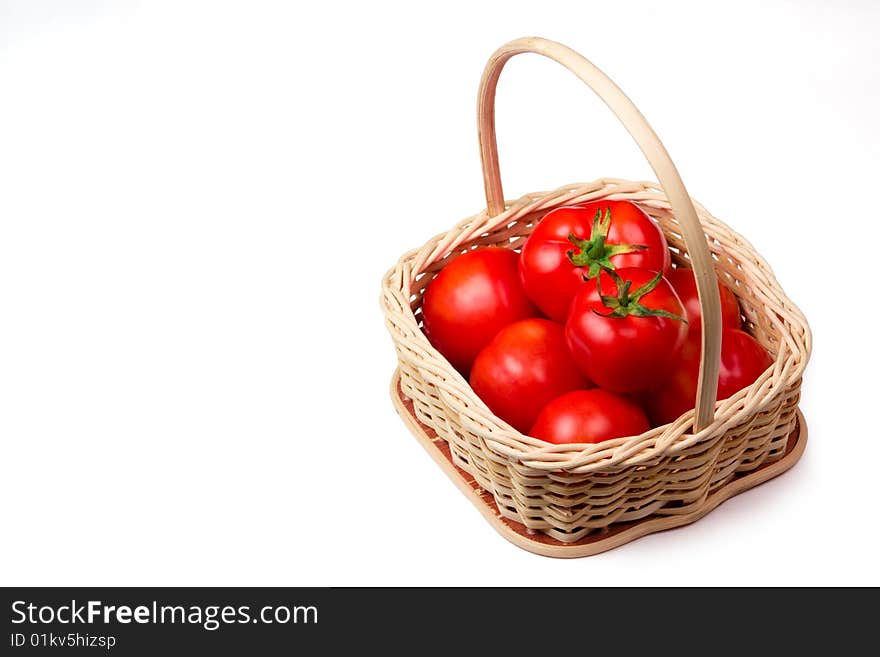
(570, 491)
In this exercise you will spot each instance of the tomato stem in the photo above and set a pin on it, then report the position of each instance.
(628, 303)
(594, 253)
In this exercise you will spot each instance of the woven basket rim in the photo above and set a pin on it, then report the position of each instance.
(668, 440)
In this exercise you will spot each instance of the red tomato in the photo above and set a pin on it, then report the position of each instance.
(743, 360)
(685, 285)
(589, 416)
(523, 368)
(626, 336)
(472, 298)
(573, 243)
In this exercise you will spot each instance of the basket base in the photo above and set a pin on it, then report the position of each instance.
(617, 535)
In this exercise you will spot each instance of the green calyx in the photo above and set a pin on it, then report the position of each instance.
(628, 303)
(595, 255)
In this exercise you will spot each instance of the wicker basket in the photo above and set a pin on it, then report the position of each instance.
(580, 496)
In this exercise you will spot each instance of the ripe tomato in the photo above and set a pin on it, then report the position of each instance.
(573, 243)
(472, 298)
(589, 416)
(743, 360)
(685, 285)
(523, 368)
(626, 335)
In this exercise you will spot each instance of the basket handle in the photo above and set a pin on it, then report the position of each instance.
(661, 163)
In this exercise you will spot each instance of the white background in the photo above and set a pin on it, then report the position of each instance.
(198, 202)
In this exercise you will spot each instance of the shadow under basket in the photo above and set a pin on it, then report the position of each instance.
(578, 500)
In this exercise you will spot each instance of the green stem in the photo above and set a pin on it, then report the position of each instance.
(595, 254)
(629, 303)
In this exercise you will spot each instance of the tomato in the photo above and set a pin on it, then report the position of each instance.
(589, 416)
(743, 360)
(525, 366)
(626, 336)
(472, 298)
(573, 243)
(685, 285)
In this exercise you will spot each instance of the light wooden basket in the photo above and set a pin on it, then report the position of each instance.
(576, 500)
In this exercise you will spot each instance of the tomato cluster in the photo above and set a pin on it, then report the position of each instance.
(588, 334)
